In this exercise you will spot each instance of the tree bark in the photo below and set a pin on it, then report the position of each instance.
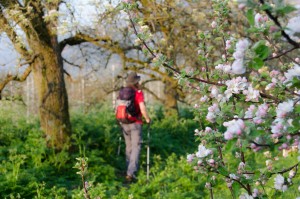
(171, 96)
(53, 100)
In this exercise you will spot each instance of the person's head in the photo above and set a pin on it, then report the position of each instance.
(133, 79)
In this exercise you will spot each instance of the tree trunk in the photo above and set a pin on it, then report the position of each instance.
(52, 95)
(171, 96)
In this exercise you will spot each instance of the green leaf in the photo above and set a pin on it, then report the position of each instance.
(296, 82)
(297, 109)
(296, 125)
(261, 50)
(250, 17)
(223, 171)
(257, 63)
(266, 7)
(285, 10)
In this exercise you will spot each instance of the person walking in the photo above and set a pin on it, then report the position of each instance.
(132, 132)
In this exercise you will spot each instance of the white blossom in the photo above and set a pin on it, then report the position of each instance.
(202, 151)
(234, 127)
(213, 111)
(293, 26)
(251, 94)
(242, 45)
(238, 67)
(291, 73)
(284, 108)
(279, 182)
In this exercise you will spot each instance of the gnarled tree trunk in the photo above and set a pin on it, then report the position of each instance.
(53, 100)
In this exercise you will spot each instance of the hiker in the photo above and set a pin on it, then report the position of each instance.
(132, 131)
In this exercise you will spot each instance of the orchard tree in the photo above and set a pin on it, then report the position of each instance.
(40, 31)
(250, 102)
(42, 52)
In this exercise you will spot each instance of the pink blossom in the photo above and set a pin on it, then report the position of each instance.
(273, 28)
(234, 127)
(228, 44)
(208, 130)
(211, 162)
(270, 86)
(262, 110)
(257, 120)
(274, 73)
(284, 108)
(204, 99)
(190, 157)
(250, 112)
(258, 19)
(242, 6)
(284, 146)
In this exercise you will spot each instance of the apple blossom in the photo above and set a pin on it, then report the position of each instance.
(251, 94)
(293, 26)
(279, 182)
(291, 73)
(284, 108)
(238, 67)
(204, 99)
(190, 157)
(202, 151)
(250, 112)
(258, 19)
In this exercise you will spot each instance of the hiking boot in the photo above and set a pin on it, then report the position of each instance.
(130, 178)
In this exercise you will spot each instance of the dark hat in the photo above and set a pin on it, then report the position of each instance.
(132, 78)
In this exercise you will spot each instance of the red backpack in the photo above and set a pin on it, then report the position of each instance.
(125, 107)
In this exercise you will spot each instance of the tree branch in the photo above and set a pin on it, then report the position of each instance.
(286, 170)
(276, 21)
(281, 54)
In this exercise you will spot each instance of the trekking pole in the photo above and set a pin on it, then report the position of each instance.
(119, 147)
(148, 152)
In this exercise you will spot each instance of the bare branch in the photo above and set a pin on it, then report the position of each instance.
(282, 53)
(81, 38)
(15, 78)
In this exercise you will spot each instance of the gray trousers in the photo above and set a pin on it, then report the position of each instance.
(133, 140)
